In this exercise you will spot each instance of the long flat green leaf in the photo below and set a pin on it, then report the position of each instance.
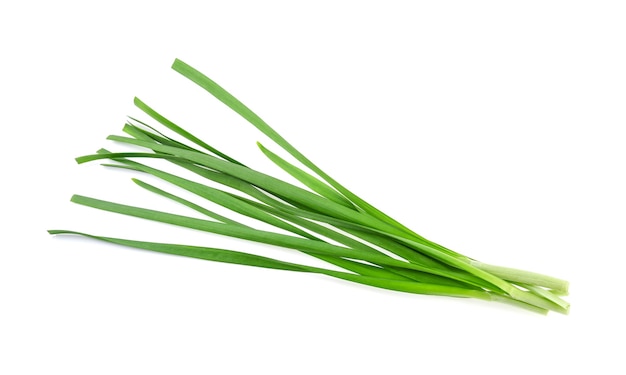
(185, 202)
(241, 258)
(177, 129)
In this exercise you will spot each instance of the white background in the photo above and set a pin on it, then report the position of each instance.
(495, 128)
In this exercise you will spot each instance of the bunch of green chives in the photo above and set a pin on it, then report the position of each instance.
(326, 221)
